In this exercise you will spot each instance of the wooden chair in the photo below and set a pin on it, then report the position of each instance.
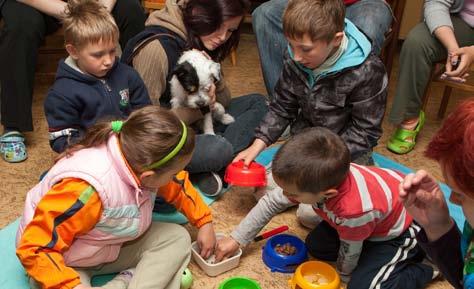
(436, 72)
(151, 5)
(390, 44)
(50, 52)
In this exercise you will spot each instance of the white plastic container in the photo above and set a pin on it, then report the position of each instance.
(209, 267)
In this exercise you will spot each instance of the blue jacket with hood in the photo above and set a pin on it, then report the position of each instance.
(77, 100)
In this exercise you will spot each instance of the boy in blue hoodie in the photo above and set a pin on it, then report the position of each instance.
(330, 79)
(90, 84)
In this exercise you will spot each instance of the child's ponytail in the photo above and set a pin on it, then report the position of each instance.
(96, 135)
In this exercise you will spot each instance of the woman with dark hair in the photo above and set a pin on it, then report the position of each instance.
(212, 26)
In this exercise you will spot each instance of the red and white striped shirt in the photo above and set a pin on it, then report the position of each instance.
(367, 206)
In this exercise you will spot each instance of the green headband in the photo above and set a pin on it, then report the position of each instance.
(172, 153)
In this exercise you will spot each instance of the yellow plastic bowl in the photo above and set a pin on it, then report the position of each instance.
(307, 274)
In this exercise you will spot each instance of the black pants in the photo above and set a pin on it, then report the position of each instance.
(393, 264)
(23, 32)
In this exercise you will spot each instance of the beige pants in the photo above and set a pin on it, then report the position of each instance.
(159, 256)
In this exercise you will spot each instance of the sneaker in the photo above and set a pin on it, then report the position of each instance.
(210, 184)
(12, 147)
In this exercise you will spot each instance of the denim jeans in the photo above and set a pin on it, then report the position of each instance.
(213, 153)
(373, 17)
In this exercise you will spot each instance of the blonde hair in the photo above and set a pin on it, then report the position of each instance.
(319, 19)
(88, 21)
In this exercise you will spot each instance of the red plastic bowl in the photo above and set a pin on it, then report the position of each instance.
(253, 176)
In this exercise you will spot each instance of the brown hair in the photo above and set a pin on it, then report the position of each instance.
(203, 17)
(88, 21)
(453, 146)
(319, 19)
(315, 160)
(147, 136)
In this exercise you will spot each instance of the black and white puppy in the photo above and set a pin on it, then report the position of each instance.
(190, 84)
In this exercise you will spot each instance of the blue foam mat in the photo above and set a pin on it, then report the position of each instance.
(13, 276)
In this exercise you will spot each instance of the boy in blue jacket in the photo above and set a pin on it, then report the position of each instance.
(90, 84)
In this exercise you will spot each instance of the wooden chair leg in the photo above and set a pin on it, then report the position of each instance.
(233, 57)
(444, 101)
(426, 95)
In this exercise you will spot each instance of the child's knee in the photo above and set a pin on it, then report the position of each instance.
(323, 242)
(181, 237)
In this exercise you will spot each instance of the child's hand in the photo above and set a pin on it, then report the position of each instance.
(206, 240)
(249, 154)
(424, 201)
(225, 248)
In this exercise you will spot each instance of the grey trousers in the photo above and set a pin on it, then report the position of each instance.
(159, 257)
(420, 51)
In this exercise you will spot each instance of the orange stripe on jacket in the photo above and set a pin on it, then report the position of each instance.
(186, 199)
(41, 257)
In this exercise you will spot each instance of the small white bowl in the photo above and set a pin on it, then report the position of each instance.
(208, 266)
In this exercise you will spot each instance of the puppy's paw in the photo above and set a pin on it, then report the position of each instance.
(227, 119)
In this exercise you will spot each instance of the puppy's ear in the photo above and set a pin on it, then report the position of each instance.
(215, 69)
(187, 76)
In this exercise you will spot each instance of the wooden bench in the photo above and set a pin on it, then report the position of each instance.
(49, 54)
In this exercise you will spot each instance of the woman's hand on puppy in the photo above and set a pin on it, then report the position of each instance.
(212, 96)
(206, 240)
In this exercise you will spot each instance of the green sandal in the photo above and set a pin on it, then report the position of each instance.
(398, 142)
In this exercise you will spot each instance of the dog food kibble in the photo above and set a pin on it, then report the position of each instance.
(285, 249)
(317, 279)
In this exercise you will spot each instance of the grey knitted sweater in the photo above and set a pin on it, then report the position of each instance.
(437, 12)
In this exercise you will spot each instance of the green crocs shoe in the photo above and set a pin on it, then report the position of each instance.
(12, 147)
(399, 143)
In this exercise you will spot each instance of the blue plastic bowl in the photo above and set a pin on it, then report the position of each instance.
(282, 263)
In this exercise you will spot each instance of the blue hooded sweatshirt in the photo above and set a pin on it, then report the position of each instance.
(77, 101)
(357, 51)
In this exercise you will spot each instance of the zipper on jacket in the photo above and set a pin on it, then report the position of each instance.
(108, 91)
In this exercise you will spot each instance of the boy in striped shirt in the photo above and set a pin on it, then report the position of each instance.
(362, 224)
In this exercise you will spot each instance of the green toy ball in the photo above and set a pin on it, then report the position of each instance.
(186, 279)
